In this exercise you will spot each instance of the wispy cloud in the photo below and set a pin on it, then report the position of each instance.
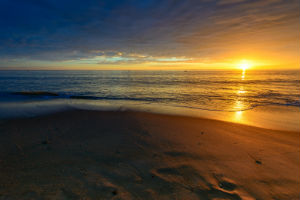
(123, 58)
(139, 31)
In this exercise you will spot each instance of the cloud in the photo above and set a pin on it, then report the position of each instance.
(123, 58)
(56, 31)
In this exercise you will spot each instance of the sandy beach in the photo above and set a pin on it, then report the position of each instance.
(134, 155)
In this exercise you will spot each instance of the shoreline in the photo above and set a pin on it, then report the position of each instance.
(284, 118)
(138, 155)
(124, 110)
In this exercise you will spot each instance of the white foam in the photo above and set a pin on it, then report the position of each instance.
(36, 108)
(282, 118)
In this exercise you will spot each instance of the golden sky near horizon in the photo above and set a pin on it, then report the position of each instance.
(204, 34)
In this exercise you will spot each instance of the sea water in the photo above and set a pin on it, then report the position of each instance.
(268, 99)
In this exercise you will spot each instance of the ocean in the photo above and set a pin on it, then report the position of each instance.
(213, 94)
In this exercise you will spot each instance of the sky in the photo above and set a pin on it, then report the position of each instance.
(149, 34)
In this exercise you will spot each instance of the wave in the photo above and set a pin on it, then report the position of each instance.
(15, 96)
(30, 103)
(264, 98)
(37, 108)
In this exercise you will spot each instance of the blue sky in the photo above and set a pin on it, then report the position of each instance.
(52, 33)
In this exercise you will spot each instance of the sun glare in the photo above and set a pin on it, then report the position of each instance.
(244, 65)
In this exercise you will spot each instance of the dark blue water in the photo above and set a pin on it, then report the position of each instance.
(209, 90)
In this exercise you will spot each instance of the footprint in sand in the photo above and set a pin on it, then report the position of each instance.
(192, 180)
(227, 185)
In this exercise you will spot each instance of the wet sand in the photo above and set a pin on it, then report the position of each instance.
(133, 155)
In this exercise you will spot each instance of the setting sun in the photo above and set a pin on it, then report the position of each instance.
(244, 65)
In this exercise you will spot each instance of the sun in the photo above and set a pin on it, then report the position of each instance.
(244, 64)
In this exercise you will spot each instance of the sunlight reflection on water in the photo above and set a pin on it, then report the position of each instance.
(243, 75)
(239, 103)
(226, 95)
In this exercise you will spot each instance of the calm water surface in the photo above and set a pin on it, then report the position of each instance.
(198, 91)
